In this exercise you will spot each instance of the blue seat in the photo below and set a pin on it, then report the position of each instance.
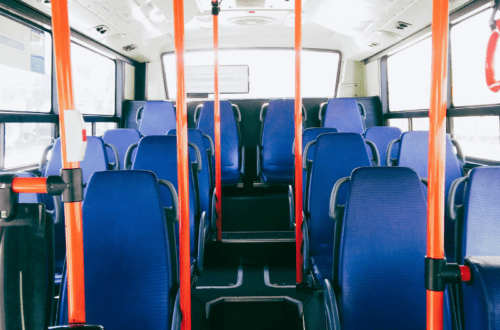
(479, 219)
(158, 154)
(414, 152)
(158, 117)
(382, 136)
(275, 159)
(482, 295)
(95, 160)
(205, 193)
(379, 267)
(130, 268)
(342, 114)
(232, 153)
(121, 138)
(336, 156)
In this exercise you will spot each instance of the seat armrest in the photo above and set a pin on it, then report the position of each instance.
(242, 164)
(306, 266)
(176, 315)
(259, 161)
(201, 245)
(291, 206)
(331, 308)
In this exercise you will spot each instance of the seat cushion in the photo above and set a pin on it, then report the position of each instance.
(230, 176)
(277, 176)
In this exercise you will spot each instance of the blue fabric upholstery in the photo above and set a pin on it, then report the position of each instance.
(278, 132)
(481, 220)
(95, 160)
(482, 298)
(335, 157)
(381, 136)
(344, 115)
(158, 154)
(413, 153)
(121, 138)
(382, 249)
(195, 136)
(322, 266)
(157, 118)
(308, 135)
(230, 139)
(129, 282)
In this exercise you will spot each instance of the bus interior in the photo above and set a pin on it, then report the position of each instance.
(337, 241)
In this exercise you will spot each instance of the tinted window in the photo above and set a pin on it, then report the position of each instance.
(25, 142)
(25, 68)
(479, 137)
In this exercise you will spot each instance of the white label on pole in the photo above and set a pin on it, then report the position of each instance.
(76, 135)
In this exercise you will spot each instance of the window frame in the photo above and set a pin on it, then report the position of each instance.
(23, 14)
(257, 48)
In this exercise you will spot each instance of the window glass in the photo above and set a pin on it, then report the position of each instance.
(479, 137)
(401, 123)
(420, 124)
(88, 128)
(100, 128)
(468, 50)
(409, 77)
(270, 72)
(25, 68)
(25, 142)
(94, 81)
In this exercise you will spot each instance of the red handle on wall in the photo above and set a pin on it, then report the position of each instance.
(493, 85)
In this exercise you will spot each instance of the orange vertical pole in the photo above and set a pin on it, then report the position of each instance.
(73, 211)
(182, 169)
(298, 143)
(437, 149)
(218, 185)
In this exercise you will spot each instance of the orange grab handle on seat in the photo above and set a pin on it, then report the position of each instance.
(493, 85)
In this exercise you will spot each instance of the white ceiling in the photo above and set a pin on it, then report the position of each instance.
(348, 26)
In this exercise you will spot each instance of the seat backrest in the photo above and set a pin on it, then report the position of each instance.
(129, 278)
(481, 298)
(481, 219)
(382, 248)
(335, 157)
(158, 117)
(121, 138)
(414, 153)
(158, 154)
(278, 133)
(344, 115)
(196, 137)
(381, 136)
(95, 160)
(230, 139)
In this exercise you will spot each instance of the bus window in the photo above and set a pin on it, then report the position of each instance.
(420, 124)
(402, 124)
(94, 81)
(269, 74)
(409, 77)
(468, 50)
(25, 142)
(479, 136)
(25, 67)
(100, 128)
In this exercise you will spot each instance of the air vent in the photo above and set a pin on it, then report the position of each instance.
(100, 29)
(45, 2)
(130, 47)
(402, 26)
(372, 44)
(251, 20)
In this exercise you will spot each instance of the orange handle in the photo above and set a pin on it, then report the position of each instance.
(493, 84)
(29, 185)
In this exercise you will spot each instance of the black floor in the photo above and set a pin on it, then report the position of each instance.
(252, 286)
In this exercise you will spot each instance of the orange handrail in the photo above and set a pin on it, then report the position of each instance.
(182, 169)
(29, 185)
(437, 149)
(298, 143)
(218, 185)
(73, 211)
